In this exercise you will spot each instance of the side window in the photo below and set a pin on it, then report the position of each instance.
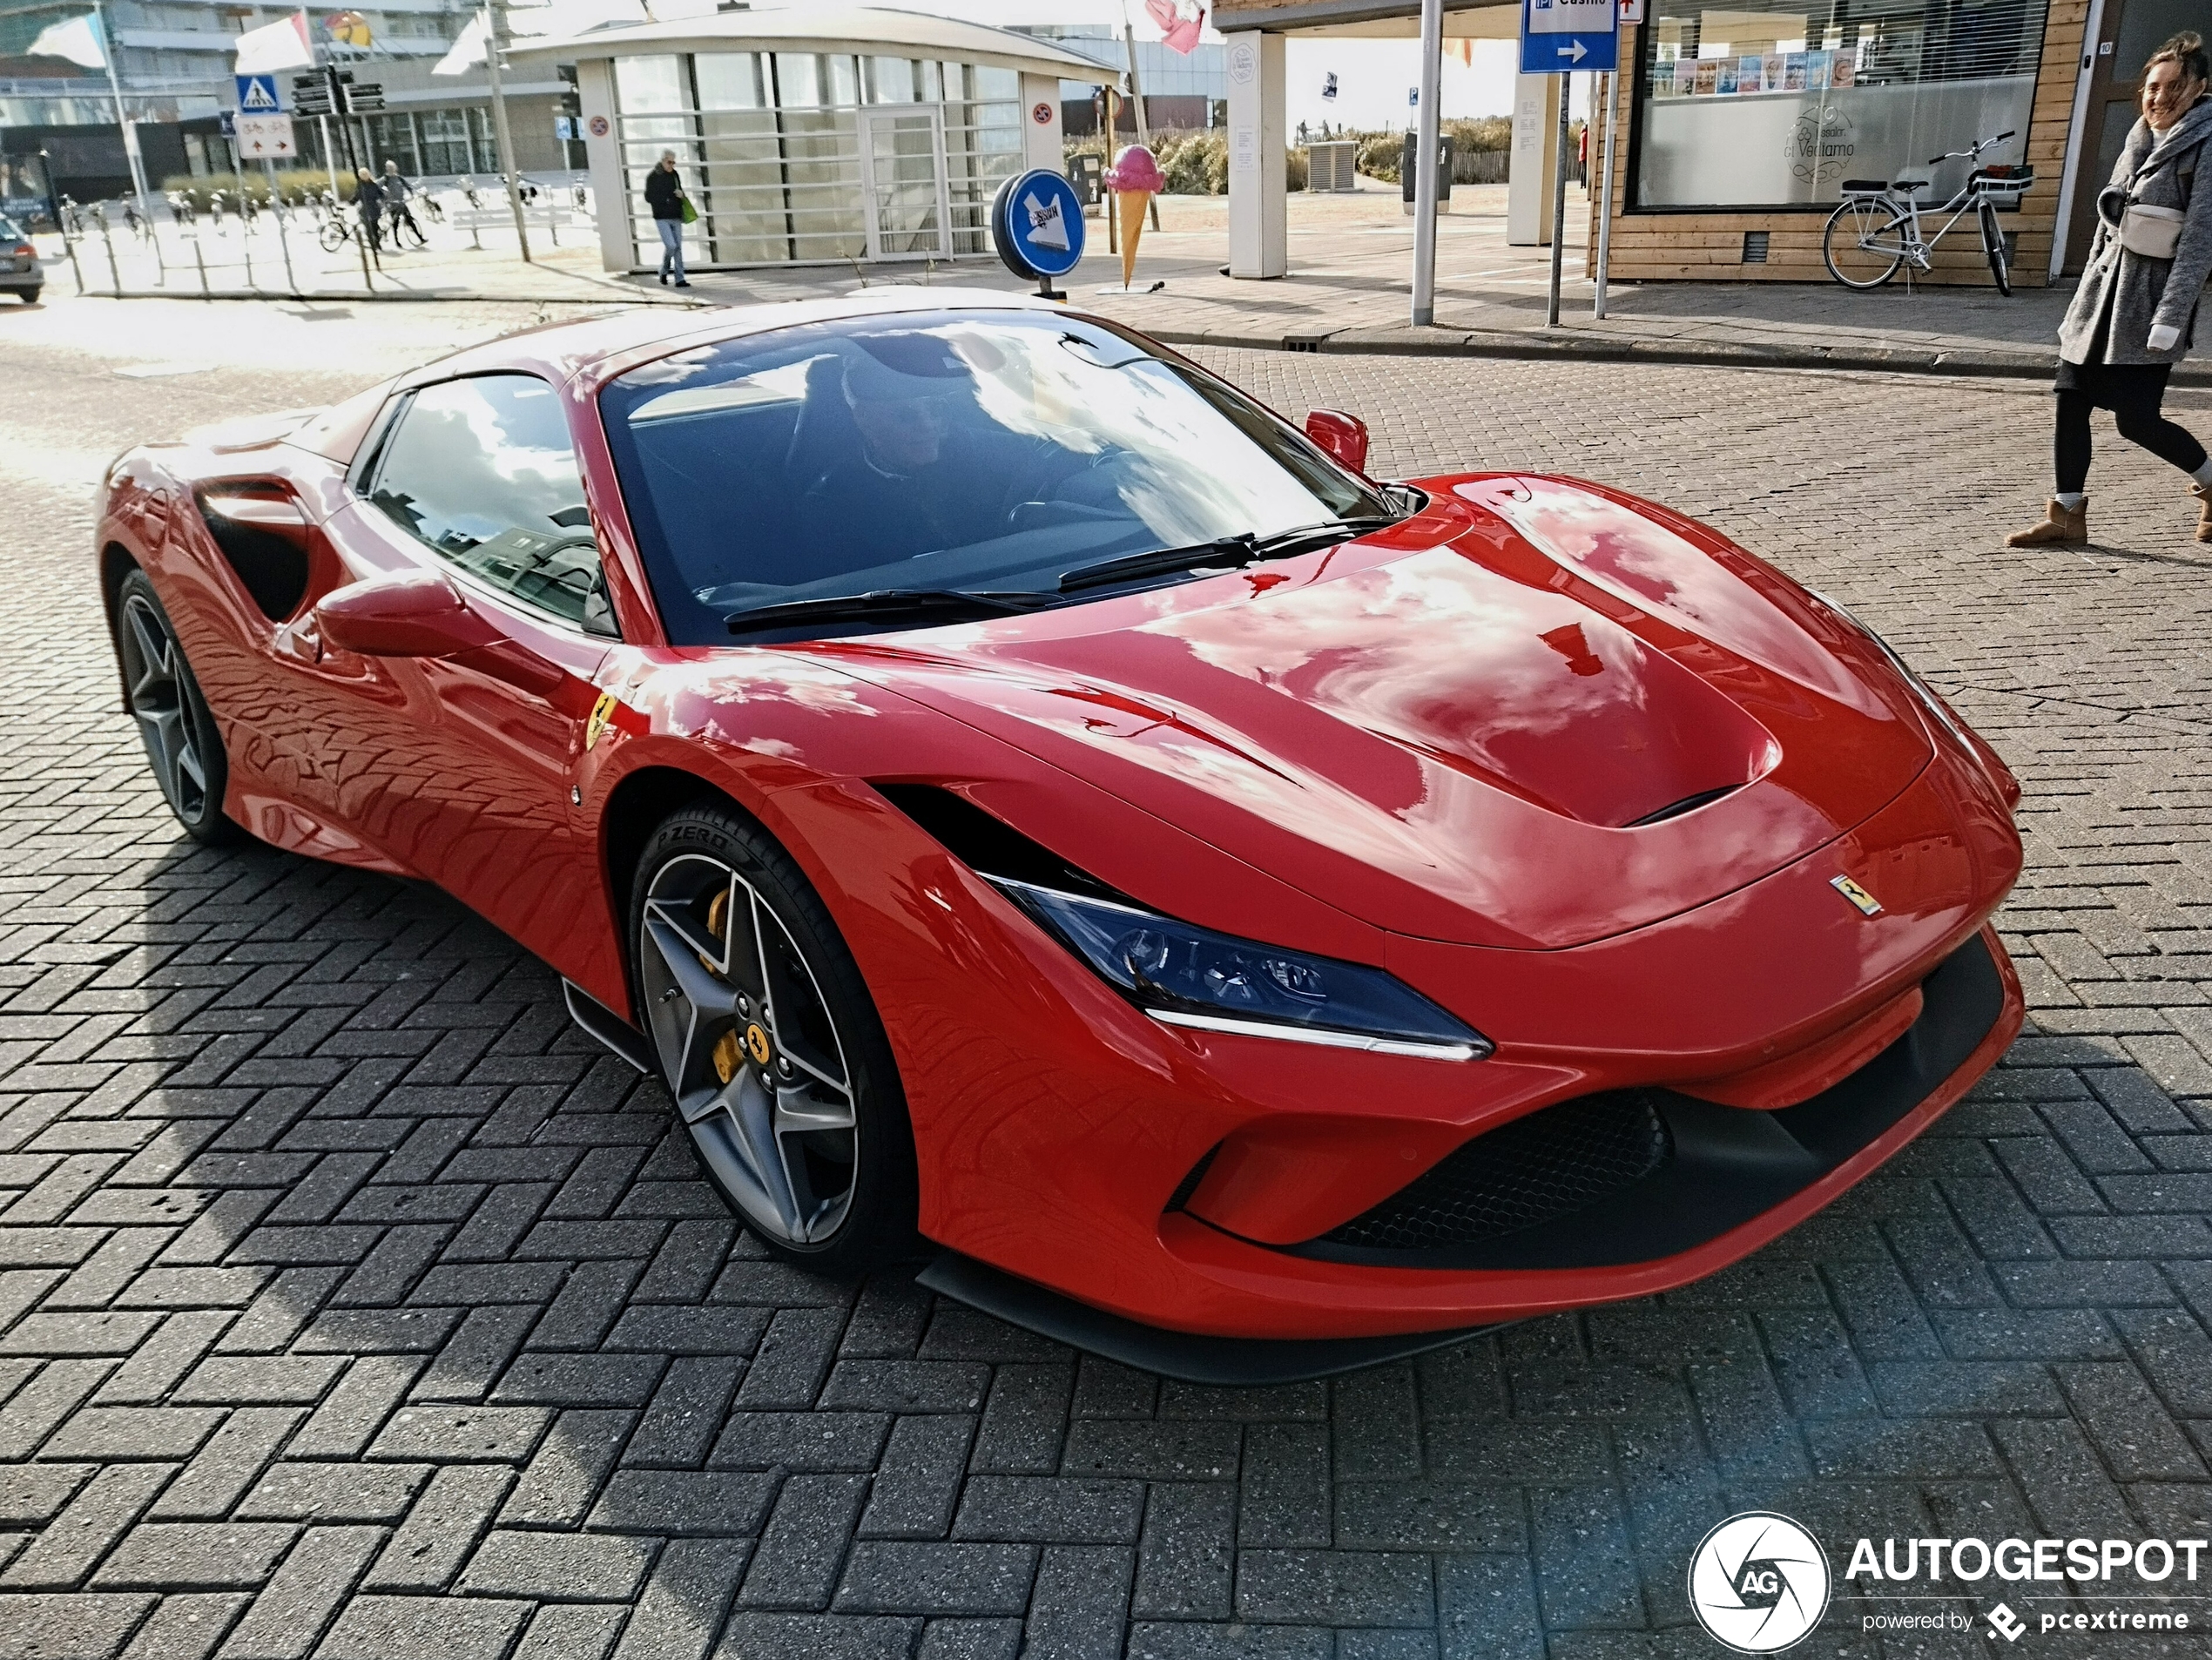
(483, 470)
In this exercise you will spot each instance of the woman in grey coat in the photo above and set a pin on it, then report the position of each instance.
(2134, 315)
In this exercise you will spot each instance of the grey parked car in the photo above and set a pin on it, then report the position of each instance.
(19, 267)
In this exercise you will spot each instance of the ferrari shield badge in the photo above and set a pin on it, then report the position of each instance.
(601, 713)
(1868, 904)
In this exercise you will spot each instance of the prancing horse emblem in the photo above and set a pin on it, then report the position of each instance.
(1851, 890)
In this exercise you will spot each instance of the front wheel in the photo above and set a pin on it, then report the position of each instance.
(771, 1045)
(31, 295)
(182, 742)
(333, 238)
(1993, 244)
(1864, 242)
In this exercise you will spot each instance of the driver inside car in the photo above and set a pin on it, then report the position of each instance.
(931, 470)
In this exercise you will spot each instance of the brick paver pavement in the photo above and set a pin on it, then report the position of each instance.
(351, 1305)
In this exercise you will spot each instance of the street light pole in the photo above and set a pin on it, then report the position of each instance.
(1559, 208)
(499, 124)
(130, 134)
(1427, 118)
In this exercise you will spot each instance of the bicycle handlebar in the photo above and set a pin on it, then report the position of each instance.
(1974, 150)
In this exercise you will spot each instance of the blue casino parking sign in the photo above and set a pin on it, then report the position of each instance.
(1037, 223)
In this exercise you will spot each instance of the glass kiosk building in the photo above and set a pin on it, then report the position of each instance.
(811, 135)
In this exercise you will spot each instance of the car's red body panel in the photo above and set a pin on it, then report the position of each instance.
(1424, 750)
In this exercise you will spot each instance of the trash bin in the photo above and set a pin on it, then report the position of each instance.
(1443, 174)
(1083, 172)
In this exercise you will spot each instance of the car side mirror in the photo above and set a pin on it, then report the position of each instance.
(414, 613)
(1344, 436)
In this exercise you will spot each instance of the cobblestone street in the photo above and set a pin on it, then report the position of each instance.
(353, 1306)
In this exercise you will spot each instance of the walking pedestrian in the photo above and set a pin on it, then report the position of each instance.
(665, 195)
(1582, 157)
(2135, 314)
(368, 202)
(396, 191)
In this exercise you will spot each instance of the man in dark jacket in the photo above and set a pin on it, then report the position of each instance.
(368, 202)
(665, 195)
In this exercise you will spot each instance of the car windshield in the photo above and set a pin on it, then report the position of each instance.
(10, 231)
(992, 450)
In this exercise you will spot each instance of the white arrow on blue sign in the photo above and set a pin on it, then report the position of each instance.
(257, 94)
(1560, 36)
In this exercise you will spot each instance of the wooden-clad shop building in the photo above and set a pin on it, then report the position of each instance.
(1740, 119)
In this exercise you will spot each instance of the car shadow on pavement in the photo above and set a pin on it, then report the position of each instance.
(405, 1314)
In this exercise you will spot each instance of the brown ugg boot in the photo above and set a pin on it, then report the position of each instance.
(2059, 524)
(2204, 512)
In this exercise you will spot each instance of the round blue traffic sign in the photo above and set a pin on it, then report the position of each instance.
(1037, 222)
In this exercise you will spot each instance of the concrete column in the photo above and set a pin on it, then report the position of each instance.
(1533, 161)
(1040, 139)
(594, 85)
(1258, 235)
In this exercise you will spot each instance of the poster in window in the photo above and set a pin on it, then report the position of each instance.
(1817, 66)
(1841, 74)
(1725, 77)
(1771, 72)
(1748, 69)
(1708, 77)
(1793, 72)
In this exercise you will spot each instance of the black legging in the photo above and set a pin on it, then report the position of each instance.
(2139, 423)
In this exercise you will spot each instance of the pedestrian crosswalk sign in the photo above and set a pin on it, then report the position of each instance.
(256, 95)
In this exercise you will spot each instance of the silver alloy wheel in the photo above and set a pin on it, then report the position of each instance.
(151, 660)
(750, 1049)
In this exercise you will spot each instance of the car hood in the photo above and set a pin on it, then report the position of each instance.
(1535, 714)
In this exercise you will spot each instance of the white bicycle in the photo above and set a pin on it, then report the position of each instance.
(1876, 232)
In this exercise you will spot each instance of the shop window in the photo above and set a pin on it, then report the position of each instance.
(1774, 104)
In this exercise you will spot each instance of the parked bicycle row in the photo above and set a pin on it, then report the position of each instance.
(402, 204)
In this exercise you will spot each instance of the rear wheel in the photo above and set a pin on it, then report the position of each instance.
(1993, 244)
(31, 295)
(1863, 244)
(771, 1046)
(182, 742)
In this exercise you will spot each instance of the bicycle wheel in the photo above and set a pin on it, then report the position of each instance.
(333, 237)
(1993, 244)
(1864, 242)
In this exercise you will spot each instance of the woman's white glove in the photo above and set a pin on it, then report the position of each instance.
(2162, 336)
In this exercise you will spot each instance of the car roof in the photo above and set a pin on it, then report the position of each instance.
(597, 346)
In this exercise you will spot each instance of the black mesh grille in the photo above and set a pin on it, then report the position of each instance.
(1549, 1165)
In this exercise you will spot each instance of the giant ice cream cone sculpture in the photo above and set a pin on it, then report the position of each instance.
(1135, 180)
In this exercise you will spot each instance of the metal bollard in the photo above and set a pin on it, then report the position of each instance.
(201, 260)
(69, 246)
(114, 270)
(284, 243)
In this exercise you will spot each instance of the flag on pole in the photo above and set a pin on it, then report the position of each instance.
(74, 38)
(1180, 22)
(468, 51)
(282, 45)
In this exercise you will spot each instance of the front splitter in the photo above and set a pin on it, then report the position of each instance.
(1226, 1362)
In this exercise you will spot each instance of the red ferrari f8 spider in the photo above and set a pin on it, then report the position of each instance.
(1018, 792)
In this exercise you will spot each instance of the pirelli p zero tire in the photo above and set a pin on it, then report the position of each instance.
(770, 1044)
(183, 743)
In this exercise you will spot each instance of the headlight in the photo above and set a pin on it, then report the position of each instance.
(1183, 975)
(1921, 690)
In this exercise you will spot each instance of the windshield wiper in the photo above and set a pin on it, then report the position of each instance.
(885, 603)
(1229, 551)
